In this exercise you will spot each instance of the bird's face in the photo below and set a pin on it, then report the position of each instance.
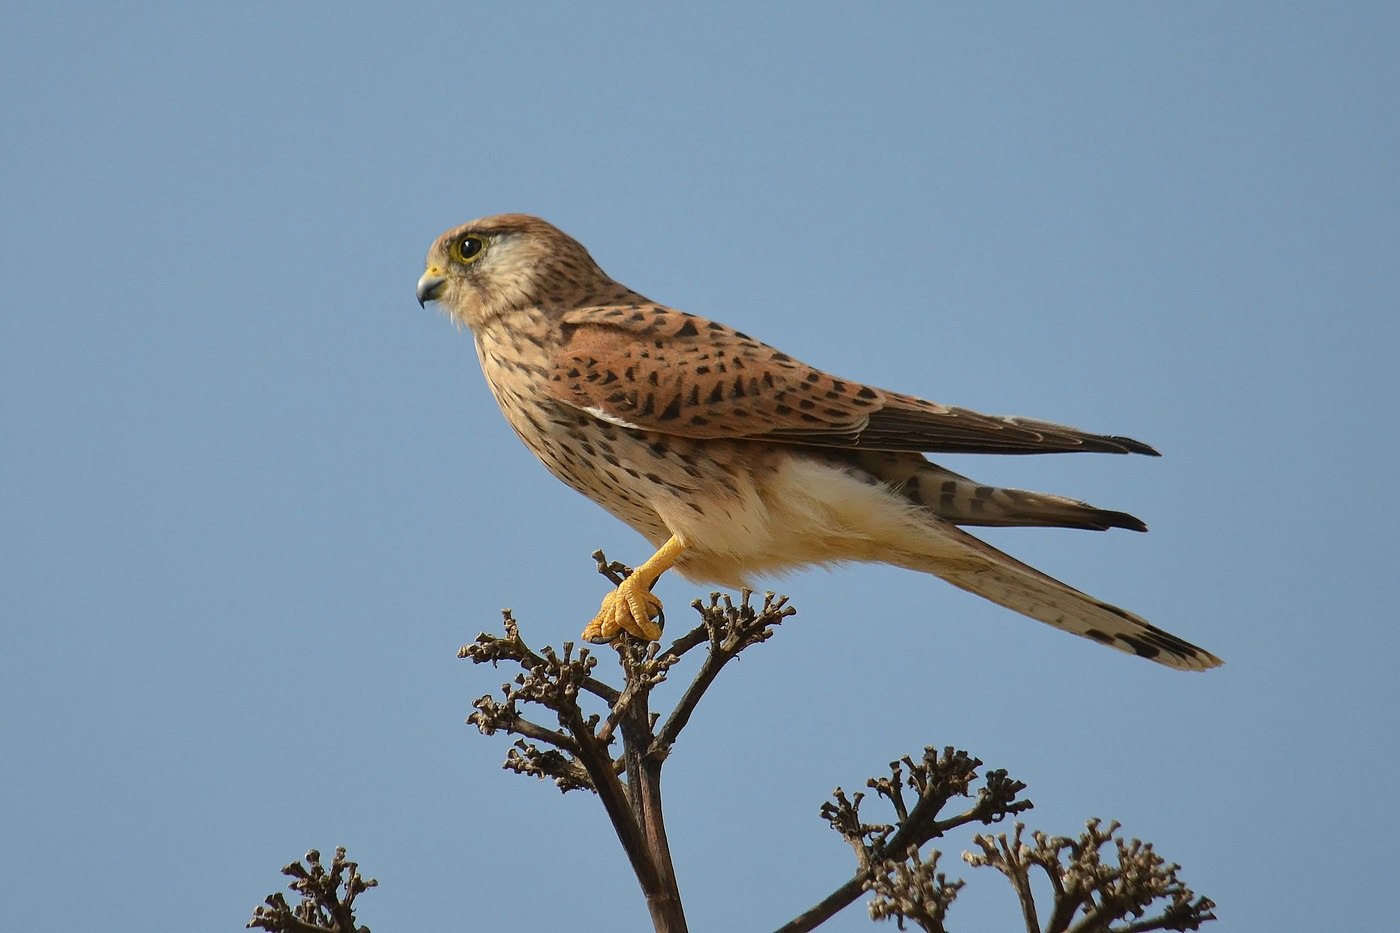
(482, 271)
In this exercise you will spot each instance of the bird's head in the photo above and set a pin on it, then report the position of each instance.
(483, 270)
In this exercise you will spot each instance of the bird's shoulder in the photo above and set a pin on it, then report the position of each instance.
(659, 368)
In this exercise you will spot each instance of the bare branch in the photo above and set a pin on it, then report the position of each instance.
(867, 839)
(729, 629)
(912, 889)
(566, 770)
(327, 898)
(936, 780)
(494, 649)
(491, 716)
(645, 668)
(579, 758)
(1099, 893)
(1089, 895)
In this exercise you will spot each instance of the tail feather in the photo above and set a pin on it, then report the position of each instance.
(962, 501)
(982, 569)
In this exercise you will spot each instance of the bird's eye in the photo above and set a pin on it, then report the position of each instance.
(468, 248)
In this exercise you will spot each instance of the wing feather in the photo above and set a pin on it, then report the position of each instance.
(663, 370)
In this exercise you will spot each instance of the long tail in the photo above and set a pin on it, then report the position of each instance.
(974, 565)
(977, 567)
(962, 501)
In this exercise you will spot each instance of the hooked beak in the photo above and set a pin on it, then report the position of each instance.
(430, 286)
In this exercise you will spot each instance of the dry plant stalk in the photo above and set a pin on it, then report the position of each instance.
(1092, 895)
(577, 749)
(327, 898)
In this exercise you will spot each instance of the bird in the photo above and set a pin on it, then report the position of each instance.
(736, 460)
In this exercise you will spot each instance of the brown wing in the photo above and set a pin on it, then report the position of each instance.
(663, 370)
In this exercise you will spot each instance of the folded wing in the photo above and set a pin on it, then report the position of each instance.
(663, 370)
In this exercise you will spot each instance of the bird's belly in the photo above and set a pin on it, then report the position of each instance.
(743, 509)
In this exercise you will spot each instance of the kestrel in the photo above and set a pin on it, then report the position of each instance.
(736, 460)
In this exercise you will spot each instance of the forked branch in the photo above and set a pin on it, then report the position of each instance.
(327, 902)
(575, 751)
(880, 847)
(1093, 894)
(576, 755)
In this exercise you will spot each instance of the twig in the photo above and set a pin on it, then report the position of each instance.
(1084, 885)
(1089, 896)
(913, 889)
(936, 780)
(729, 629)
(323, 907)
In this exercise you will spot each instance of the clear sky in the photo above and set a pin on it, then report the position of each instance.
(254, 498)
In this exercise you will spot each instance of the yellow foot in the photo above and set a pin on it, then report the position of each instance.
(629, 608)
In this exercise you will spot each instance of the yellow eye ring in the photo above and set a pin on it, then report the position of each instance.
(468, 249)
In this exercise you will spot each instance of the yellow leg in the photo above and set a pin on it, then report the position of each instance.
(630, 607)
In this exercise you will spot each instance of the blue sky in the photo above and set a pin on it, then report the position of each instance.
(254, 497)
